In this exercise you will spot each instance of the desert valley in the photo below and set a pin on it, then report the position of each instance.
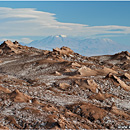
(61, 89)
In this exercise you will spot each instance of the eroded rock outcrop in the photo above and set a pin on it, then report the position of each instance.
(61, 89)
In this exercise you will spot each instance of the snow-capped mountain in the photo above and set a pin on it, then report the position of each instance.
(87, 46)
(55, 41)
(99, 46)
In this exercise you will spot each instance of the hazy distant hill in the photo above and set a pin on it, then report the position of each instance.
(55, 41)
(85, 47)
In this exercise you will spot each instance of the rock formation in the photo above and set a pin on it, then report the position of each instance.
(61, 89)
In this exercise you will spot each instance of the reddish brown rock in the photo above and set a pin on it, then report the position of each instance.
(61, 89)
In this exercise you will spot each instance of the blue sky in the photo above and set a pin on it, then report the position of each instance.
(26, 21)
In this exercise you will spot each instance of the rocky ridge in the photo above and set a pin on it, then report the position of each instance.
(61, 89)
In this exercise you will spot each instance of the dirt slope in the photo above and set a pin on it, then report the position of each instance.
(61, 89)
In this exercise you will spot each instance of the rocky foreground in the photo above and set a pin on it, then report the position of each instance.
(61, 89)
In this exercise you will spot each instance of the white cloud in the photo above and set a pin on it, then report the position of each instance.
(25, 40)
(30, 22)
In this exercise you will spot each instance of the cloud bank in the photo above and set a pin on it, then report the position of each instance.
(30, 22)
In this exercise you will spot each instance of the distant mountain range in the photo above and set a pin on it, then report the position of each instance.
(86, 47)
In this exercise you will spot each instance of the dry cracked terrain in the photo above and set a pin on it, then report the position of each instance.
(61, 89)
